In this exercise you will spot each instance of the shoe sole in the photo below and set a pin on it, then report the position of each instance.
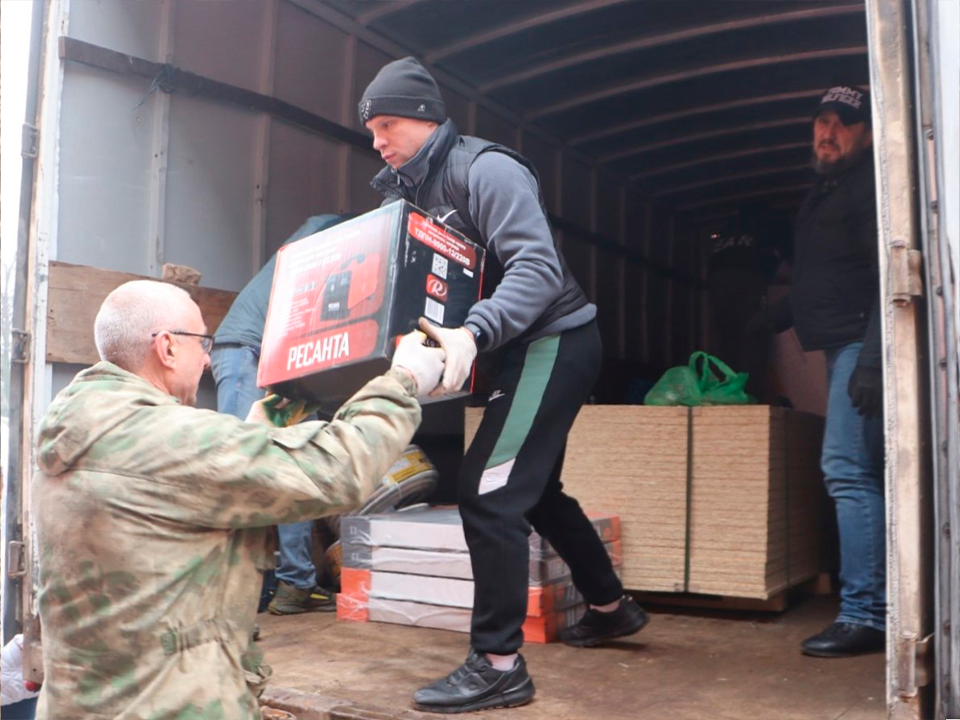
(300, 610)
(838, 655)
(590, 642)
(512, 698)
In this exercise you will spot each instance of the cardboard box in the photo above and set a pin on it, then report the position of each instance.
(452, 564)
(716, 500)
(440, 528)
(415, 583)
(453, 592)
(542, 629)
(342, 297)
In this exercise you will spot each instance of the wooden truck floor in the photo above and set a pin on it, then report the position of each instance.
(685, 665)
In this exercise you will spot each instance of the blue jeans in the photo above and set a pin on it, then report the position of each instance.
(22, 709)
(235, 372)
(852, 464)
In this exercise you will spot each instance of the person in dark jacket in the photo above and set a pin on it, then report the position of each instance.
(834, 305)
(744, 257)
(234, 361)
(543, 330)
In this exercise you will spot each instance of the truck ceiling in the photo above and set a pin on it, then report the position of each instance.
(701, 104)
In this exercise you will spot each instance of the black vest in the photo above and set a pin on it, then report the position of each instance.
(444, 193)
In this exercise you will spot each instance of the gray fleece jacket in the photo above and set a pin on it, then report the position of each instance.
(492, 195)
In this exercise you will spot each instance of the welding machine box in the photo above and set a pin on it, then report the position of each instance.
(342, 297)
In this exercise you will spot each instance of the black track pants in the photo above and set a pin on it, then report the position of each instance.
(511, 480)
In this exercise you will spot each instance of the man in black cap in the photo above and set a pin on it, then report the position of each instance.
(544, 333)
(744, 257)
(834, 305)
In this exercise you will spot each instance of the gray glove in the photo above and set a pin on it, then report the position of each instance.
(424, 363)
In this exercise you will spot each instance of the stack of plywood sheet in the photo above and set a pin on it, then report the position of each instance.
(714, 500)
(413, 568)
(756, 500)
(632, 463)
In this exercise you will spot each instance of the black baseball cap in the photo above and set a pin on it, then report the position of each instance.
(851, 103)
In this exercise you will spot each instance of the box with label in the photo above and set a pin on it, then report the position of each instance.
(544, 569)
(536, 628)
(440, 528)
(452, 592)
(342, 297)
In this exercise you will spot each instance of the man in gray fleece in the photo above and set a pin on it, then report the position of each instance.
(543, 332)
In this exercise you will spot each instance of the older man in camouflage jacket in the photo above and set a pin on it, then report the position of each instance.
(152, 516)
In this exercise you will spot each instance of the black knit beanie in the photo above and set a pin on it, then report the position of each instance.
(403, 88)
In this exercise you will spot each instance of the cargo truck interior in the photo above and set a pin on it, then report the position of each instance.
(651, 124)
(204, 133)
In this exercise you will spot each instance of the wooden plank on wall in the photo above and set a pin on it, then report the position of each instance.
(75, 295)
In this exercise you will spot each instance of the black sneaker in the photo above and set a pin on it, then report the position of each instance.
(596, 627)
(476, 685)
(845, 640)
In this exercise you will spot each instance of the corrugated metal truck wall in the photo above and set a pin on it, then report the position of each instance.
(148, 177)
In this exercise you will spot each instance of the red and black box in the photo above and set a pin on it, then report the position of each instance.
(342, 297)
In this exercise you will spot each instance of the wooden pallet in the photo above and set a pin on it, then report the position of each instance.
(818, 585)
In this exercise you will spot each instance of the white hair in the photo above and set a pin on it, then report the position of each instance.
(130, 314)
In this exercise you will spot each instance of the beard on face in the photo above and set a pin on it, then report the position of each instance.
(835, 167)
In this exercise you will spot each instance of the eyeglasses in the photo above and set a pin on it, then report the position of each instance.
(206, 341)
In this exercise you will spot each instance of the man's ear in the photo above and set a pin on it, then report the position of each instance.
(165, 350)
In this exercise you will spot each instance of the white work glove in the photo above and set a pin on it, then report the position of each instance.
(461, 351)
(424, 363)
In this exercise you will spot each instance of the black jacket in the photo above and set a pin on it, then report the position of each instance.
(835, 285)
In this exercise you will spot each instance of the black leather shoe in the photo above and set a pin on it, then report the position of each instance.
(845, 640)
(476, 685)
(595, 627)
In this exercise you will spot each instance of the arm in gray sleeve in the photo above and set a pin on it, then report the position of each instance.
(505, 207)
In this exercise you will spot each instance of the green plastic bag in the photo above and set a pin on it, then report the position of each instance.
(719, 383)
(677, 386)
(704, 380)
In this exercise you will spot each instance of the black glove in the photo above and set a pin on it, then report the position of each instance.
(866, 390)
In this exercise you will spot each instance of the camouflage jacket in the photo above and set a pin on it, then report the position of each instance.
(152, 521)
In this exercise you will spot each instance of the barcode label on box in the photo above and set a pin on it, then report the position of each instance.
(434, 311)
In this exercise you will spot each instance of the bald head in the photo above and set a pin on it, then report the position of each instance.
(131, 313)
